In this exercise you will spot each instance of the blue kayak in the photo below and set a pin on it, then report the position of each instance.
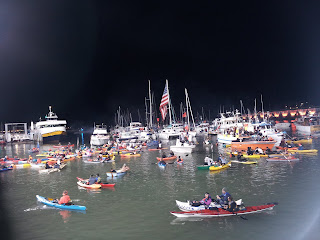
(160, 164)
(61, 206)
(6, 169)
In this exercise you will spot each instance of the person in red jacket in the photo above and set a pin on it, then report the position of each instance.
(65, 198)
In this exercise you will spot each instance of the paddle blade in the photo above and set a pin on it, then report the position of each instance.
(243, 218)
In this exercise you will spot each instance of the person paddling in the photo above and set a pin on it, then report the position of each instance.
(179, 159)
(205, 201)
(231, 207)
(98, 178)
(65, 199)
(91, 180)
(223, 198)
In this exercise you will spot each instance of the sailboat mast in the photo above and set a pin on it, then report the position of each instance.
(185, 90)
(170, 118)
(262, 108)
(150, 99)
(194, 125)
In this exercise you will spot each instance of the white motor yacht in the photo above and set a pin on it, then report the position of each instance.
(99, 136)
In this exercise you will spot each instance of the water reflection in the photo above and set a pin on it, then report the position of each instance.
(65, 214)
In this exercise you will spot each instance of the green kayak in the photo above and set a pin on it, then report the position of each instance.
(203, 167)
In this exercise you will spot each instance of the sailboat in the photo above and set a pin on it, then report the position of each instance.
(186, 146)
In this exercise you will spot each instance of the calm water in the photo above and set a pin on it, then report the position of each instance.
(138, 207)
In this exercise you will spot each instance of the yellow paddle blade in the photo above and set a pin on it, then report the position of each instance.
(50, 199)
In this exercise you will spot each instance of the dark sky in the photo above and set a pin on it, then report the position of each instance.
(86, 58)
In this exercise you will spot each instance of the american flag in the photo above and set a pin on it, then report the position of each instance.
(164, 102)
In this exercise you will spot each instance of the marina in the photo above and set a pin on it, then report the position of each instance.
(159, 120)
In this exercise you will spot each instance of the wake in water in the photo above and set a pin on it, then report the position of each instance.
(37, 208)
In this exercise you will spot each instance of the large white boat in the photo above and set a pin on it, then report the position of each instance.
(308, 125)
(99, 136)
(171, 131)
(50, 129)
(182, 147)
(267, 130)
(285, 126)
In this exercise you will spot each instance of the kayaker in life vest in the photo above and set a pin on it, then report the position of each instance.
(98, 178)
(205, 201)
(179, 159)
(91, 180)
(47, 166)
(300, 147)
(231, 207)
(223, 198)
(65, 198)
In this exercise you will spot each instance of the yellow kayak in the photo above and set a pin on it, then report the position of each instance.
(251, 156)
(303, 151)
(302, 141)
(213, 168)
(43, 155)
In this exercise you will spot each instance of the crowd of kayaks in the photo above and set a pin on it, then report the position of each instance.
(107, 154)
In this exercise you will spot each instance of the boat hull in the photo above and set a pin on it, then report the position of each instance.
(213, 168)
(253, 144)
(278, 159)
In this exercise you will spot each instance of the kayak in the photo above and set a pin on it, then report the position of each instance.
(167, 158)
(203, 167)
(103, 185)
(51, 170)
(213, 168)
(302, 141)
(85, 185)
(63, 146)
(278, 155)
(37, 165)
(69, 159)
(130, 155)
(33, 150)
(6, 169)
(244, 162)
(251, 156)
(61, 206)
(156, 149)
(115, 174)
(160, 164)
(186, 206)
(219, 212)
(24, 165)
(303, 151)
(282, 159)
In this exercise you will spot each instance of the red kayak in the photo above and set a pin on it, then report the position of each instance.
(63, 146)
(167, 158)
(219, 212)
(103, 185)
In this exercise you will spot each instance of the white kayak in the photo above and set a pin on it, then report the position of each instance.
(51, 170)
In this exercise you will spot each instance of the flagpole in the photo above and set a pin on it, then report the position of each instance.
(169, 101)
